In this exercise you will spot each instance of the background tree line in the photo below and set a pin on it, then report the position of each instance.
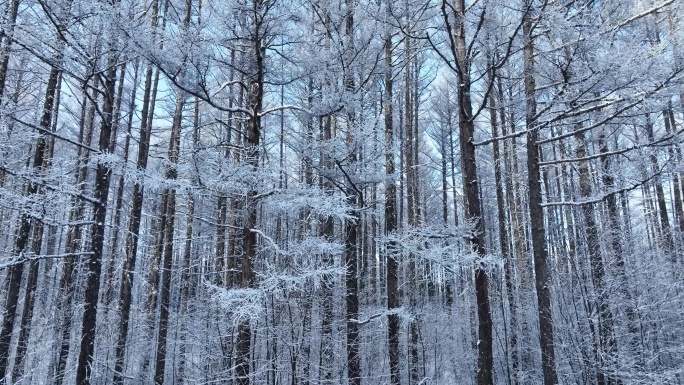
(363, 192)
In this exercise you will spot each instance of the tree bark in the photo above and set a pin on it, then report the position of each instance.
(102, 177)
(607, 346)
(114, 240)
(472, 194)
(541, 268)
(134, 218)
(21, 239)
(249, 236)
(616, 246)
(391, 250)
(6, 38)
(504, 244)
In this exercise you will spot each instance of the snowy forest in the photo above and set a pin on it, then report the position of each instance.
(353, 192)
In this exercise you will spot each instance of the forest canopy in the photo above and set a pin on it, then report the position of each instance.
(356, 192)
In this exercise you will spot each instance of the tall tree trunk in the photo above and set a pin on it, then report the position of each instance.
(504, 244)
(472, 197)
(165, 292)
(607, 345)
(171, 174)
(134, 218)
(351, 225)
(102, 176)
(188, 280)
(392, 252)
(32, 278)
(327, 355)
(616, 246)
(73, 241)
(517, 252)
(666, 240)
(541, 268)
(21, 239)
(114, 240)
(249, 235)
(412, 208)
(6, 38)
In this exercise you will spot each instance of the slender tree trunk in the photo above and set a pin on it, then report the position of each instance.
(134, 218)
(73, 242)
(171, 174)
(102, 177)
(541, 268)
(675, 153)
(352, 226)
(517, 252)
(607, 345)
(327, 357)
(6, 38)
(392, 252)
(504, 244)
(616, 246)
(472, 197)
(249, 236)
(188, 280)
(21, 239)
(114, 241)
(665, 230)
(32, 278)
(165, 292)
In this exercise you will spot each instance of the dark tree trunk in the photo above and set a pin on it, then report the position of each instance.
(131, 247)
(616, 246)
(327, 357)
(6, 42)
(472, 194)
(517, 252)
(607, 347)
(94, 267)
(38, 229)
(541, 268)
(391, 256)
(15, 271)
(165, 292)
(171, 174)
(188, 279)
(665, 231)
(504, 244)
(114, 240)
(249, 236)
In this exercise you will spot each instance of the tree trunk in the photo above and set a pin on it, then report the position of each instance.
(114, 241)
(15, 271)
(666, 240)
(131, 247)
(351, 226)
(541, 269)
(616, 246)
(171, 174)
(472, 197)
(517, 252)
(6, 38)
(504, 244)
(102, 176)
(188, 280)
(249, 236)
(74, 241)
(607, 345)
(675, 153)
(392, 252)
(32, 279)
(165, 292)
